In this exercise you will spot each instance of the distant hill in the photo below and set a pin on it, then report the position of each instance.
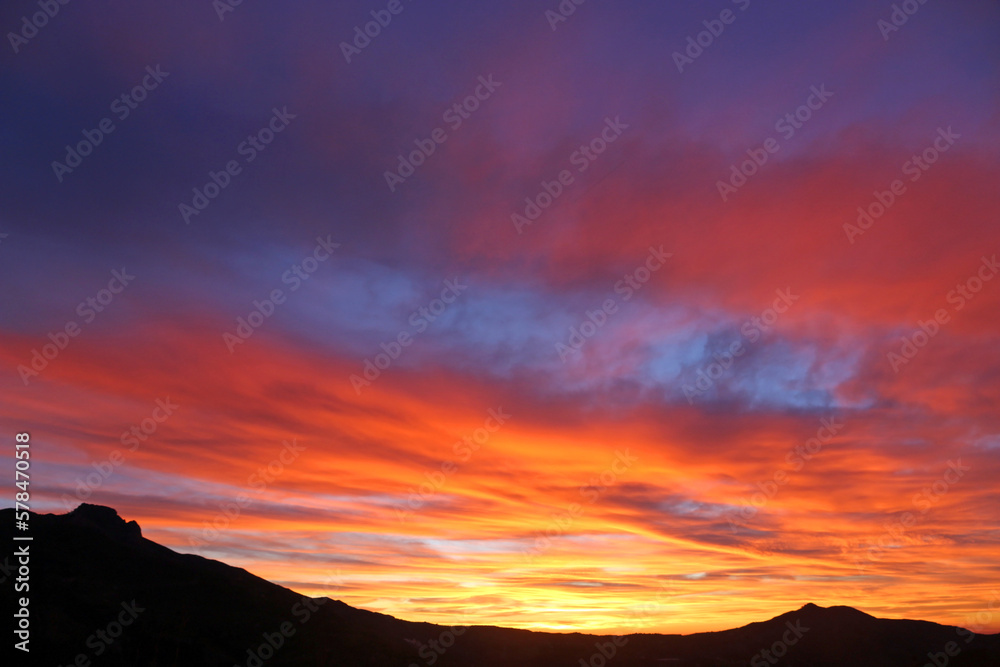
(88, 566)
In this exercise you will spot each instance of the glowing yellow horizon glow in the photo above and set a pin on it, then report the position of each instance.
(650, 547)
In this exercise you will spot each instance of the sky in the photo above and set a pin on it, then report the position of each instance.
(632, 317)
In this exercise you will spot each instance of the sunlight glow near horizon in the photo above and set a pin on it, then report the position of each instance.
(649, 491)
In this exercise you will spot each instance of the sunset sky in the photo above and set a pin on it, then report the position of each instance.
(660, 336)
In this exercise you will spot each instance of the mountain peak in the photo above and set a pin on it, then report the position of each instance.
(833, 612)
(106, 520)
(208, 612)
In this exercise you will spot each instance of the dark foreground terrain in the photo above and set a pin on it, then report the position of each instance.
(101, 594)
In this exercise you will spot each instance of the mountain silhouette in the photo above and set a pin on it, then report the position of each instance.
(100, 590)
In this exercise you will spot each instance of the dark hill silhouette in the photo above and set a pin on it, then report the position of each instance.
(89, 566)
